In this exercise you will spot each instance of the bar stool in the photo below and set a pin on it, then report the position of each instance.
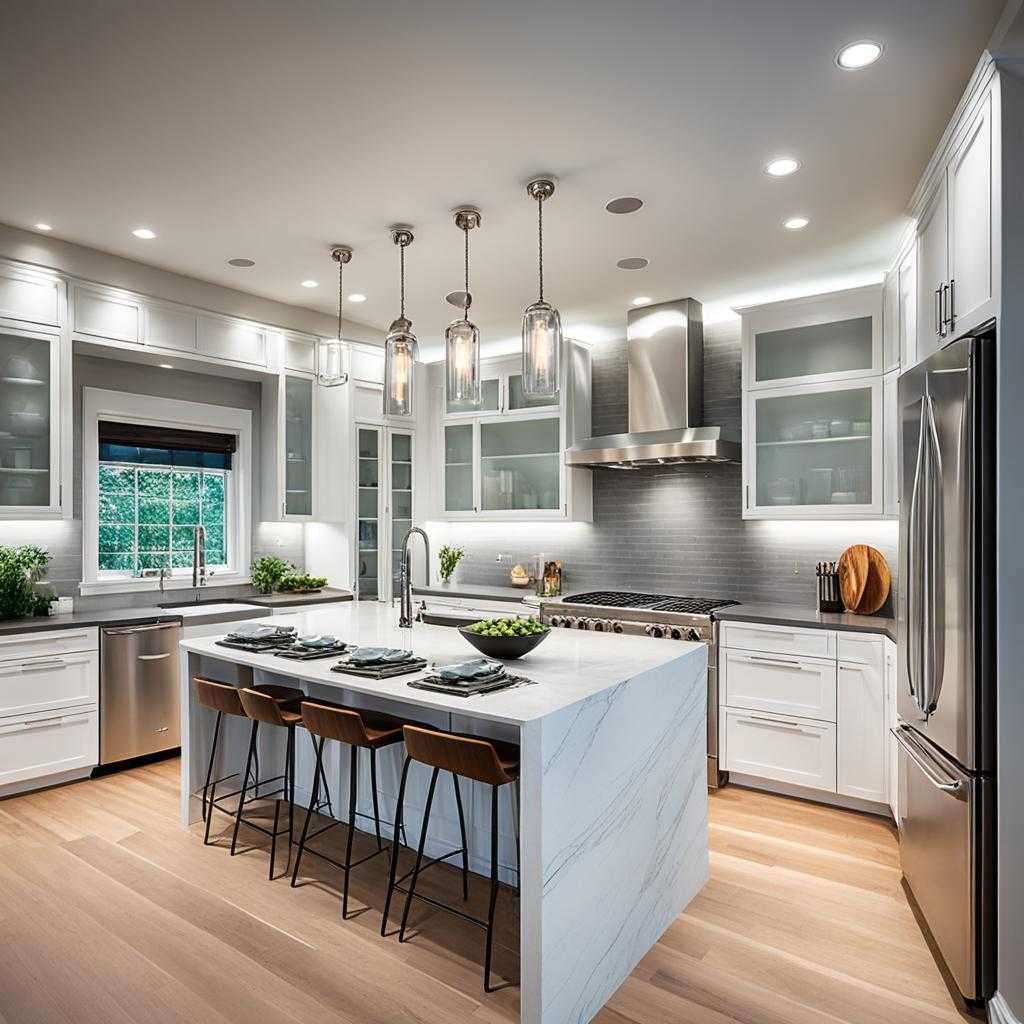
(263, 708)
(491, 762)
(225, 700)
(360, 729)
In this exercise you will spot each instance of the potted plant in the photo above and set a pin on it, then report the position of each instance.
(267, 572)
(449, 557)
(20, 570)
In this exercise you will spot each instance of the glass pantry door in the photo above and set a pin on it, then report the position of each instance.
(28, 434)
(400, 507)
(520, 464)
(368, 513)
(298, 443)
(458, 468)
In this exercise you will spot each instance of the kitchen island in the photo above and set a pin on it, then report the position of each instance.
(613, 800)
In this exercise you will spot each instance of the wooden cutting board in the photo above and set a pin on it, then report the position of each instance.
(864, 579)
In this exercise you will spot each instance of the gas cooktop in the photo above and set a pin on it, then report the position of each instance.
(627, 599)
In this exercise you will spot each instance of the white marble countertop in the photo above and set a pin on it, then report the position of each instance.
(568, 667)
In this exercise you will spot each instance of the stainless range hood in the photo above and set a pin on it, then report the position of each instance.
(666, 396)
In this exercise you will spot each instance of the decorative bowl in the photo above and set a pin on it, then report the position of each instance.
(503, 646)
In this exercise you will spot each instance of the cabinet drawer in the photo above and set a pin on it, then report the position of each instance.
(862, 650)
(48, 683)
(789, 750)
(51, 643)
(749, 636)
(805, 687)
(47, 744)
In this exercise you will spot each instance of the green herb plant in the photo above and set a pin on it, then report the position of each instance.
(449, 558)
(301, 581)
(20, 570)
(268, 572)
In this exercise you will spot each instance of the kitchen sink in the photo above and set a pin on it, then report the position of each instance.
(202, 604)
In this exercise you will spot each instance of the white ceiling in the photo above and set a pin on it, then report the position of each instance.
(271, 129)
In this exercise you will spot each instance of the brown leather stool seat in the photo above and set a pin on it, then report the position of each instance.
(360, 728)
(493, 763)
(225, 699)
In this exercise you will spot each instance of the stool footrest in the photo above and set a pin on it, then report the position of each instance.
(443, 906)
(429, 864)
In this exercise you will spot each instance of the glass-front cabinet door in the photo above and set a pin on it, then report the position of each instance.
(817, 451)
(298, 443)
(400, 503)
(29, 437)
(490, 398)
(520, 465)
(368, 513)
(458, 468)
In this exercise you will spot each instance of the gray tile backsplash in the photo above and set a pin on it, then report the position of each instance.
(673, 529)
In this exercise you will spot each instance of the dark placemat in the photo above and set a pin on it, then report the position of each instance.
(381, 671)
(255, 647)
(436, 685)
(312, 653)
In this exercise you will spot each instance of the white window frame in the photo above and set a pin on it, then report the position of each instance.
(98, 404)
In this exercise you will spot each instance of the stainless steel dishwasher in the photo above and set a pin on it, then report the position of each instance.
(139, 690)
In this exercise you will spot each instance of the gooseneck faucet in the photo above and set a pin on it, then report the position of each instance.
(405, 578)
(198, 559)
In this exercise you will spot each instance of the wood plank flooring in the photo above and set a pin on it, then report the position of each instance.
(111, 912)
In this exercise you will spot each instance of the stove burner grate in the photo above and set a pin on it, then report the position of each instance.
(654, 602)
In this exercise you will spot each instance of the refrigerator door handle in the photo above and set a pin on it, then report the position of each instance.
(947, 785)
(931, 681)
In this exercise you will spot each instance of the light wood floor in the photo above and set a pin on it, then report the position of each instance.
(110, 912)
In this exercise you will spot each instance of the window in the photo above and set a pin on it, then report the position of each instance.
(154, 469)
(148, 513)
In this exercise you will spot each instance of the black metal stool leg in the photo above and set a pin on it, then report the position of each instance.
(494, 888)
(465, 845)
(273, 835)
(290, 751)
(419, 856)
(399, 826)
(209, 787)
(373, 786)
(353, 773)
(245, 785)
(319, 748)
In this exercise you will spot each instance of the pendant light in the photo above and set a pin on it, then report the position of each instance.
(542, 326)
(462, 339)
(401, 348)
(331, 363)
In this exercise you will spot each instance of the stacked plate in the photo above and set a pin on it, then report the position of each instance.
(479, 675)
(379, 662)
(254, 638)
(312, 646)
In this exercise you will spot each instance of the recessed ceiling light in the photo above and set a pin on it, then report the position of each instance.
(796, 223)
(43, 227)
(144, 233)
(241, 261)
(624, 204)
(860, 54)
(781, 166)
(310, 284)
(357, 297)
(641, 300)
(632, 263)
(165, 366)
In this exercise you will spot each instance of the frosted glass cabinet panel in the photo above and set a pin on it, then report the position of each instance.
(815, 451)
(520, 464)
(401, 500)
(298, 439)
(458, 468)
(518, 398)
(838, 347)
(490, 399)
(28, 453)
(368, 440)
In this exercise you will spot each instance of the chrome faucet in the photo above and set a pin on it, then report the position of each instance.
(198, 559)
(405, 578)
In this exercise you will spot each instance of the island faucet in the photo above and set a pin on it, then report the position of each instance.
(405, 578)
(198, 559)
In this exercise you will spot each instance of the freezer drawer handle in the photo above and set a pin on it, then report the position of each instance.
(771, 723)
(950, 786)
(776, 661)
(154, 657)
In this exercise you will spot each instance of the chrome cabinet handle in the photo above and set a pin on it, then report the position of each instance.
(42, 666)
(780, 726)
(775, 661)
(952, 303)
(39, 723)
(951, 786)
(937, 311)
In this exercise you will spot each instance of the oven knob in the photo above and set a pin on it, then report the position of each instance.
(569, 622)
(555, 620)
(655, 631)
(602, 625)
(616, 627)
(584, 623)
(676, 633)
(694, 635)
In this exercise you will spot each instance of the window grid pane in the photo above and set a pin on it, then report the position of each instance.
(147, 515)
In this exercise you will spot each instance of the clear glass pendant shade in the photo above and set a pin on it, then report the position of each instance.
(542, 348)
(462, 359)
(400, 352)
(332, 369)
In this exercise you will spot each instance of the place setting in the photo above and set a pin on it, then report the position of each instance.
(379, 662)
(469, 678)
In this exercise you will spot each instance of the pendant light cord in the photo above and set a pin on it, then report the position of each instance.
(540, 244)
(401, 257)
(465, 304)
(341, 271)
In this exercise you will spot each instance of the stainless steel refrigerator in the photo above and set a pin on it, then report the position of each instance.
(947, 668)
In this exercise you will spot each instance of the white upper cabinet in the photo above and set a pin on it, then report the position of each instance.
(890, 446)
(971, 298)
(812, 401)
(30, 297)
(106, 313)
(235, 340)
(891, 321)
(906, 286)
(932, 270)
(170, 327)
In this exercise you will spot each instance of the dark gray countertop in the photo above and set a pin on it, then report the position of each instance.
(475, 592)
(798, 615)
(328, 595)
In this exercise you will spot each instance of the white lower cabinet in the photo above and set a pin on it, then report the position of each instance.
(892, 750)
(48, 743)
(815, 722)
(786, 749)
(48, 683)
